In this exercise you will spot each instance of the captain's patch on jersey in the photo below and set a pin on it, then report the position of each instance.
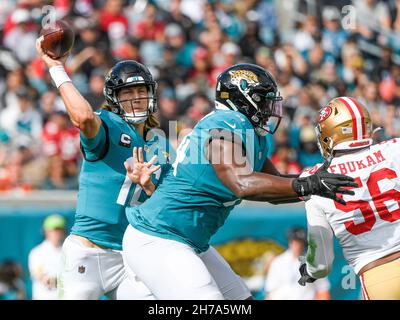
(125, 140)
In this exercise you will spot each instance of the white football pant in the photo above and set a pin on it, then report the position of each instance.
(173, 270)
(89, 273)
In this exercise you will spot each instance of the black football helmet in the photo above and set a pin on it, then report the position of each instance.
(125, 74)
(251, 90)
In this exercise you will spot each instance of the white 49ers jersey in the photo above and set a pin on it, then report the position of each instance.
(368, 226)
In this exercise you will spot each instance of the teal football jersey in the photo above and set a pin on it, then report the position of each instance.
(104, 187)
(191, 203)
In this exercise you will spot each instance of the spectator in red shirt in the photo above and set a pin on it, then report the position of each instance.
(112, 18)
(149, 28)
(61, 146)
(129, 50)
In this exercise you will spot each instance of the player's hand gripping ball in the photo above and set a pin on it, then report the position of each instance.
(58, 39)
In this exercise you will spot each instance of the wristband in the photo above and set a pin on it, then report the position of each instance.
(58, 75)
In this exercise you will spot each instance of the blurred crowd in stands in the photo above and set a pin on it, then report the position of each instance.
(317, 50)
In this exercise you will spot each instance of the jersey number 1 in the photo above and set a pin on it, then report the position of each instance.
(181, 153)
(126, 186)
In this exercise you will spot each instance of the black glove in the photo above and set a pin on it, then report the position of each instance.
(305, 277)
(324, 184)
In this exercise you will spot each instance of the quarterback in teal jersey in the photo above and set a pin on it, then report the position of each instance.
(92, 263)
(222, 161)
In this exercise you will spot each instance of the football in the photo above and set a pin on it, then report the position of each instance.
(58, 39)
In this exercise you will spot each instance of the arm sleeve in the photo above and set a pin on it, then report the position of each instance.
(95, 148)
(320, 242)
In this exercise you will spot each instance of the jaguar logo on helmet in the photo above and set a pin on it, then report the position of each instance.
(242, 78)
(249, 75)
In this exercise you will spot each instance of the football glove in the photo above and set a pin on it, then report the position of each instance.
(324, 184)
(304, 276)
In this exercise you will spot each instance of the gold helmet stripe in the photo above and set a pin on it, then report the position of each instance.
(357, 117)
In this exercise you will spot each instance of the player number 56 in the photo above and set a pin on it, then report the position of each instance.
(379, 199)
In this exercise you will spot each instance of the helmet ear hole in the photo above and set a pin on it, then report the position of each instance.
(336, 111)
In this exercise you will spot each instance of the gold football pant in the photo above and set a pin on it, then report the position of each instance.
(382, 282)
